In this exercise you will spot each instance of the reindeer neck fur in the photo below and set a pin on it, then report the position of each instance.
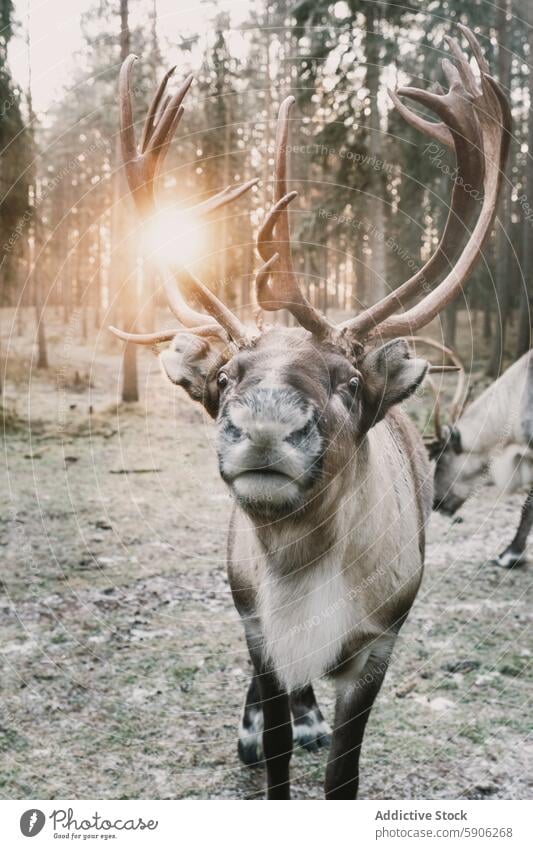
(316, 592)
(303, 539)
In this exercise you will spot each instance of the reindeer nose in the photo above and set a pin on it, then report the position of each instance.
(263, 433)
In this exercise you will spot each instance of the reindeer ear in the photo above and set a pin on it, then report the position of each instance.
(192, 363)
(391, 374)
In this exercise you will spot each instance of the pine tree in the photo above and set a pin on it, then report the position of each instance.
(14, 161)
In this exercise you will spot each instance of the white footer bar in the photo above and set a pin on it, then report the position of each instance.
(266, 825)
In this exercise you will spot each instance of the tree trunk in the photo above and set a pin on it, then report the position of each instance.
(81, 270)
(487, 322)
(375, 204)
(98, 281)
(227, 287)
(524, 338)
(450, 324)
(503, 260)
(336, 278)
(127, 295)
(267, 176)
(42, 349)
(149, 276)
(36, 288)
(325, 274)
(360, 287)
(37, 280)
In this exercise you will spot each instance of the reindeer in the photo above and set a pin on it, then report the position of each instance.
(330, 481)
(494, 436)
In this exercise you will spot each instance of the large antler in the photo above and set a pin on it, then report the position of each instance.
(476, 121)
(273, 244)
(142, 168)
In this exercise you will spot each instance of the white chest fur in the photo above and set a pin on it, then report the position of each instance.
(305, 618)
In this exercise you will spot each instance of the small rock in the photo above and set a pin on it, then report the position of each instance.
(405, 689)
(105, 561)
(483, 680)
(440, 704)
(86, 561)
(462, 666)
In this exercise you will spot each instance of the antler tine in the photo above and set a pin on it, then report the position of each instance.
(475, 47)
(267, 251)
(167, 123)
(185, 314)
(280, 165)
(434, 129)
(284, 292)
(463, 66)
(263, 291)
(127, 130)
(162, 107)
(265, 237)
(223, 316)
(458, 396)
(143, 338)
(165, 145)
(436, 410)
(152, 116)
(227, 195)
(443, 369)
(156, 338)
(479, 126)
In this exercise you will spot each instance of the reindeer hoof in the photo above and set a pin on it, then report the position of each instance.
(250, 753)
(311, 733)
(250, 745)
(510, 559)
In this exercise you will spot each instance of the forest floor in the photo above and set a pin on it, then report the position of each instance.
(123, 663)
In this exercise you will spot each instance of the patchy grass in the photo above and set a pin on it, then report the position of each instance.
(124, 667)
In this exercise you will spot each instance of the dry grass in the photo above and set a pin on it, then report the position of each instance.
(124, 665)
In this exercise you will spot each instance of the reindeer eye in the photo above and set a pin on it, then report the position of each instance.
(353, 383)
(222, 380)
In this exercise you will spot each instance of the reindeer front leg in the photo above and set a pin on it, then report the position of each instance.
(277, 725)
(514, 554)
(355, 699)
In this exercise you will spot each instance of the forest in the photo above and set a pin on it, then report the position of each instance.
(372, 193)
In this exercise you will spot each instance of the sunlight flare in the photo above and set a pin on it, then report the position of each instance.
(176, 236)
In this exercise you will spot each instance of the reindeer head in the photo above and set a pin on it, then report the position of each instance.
(293, 405)
(455, 470)
(449, 491)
